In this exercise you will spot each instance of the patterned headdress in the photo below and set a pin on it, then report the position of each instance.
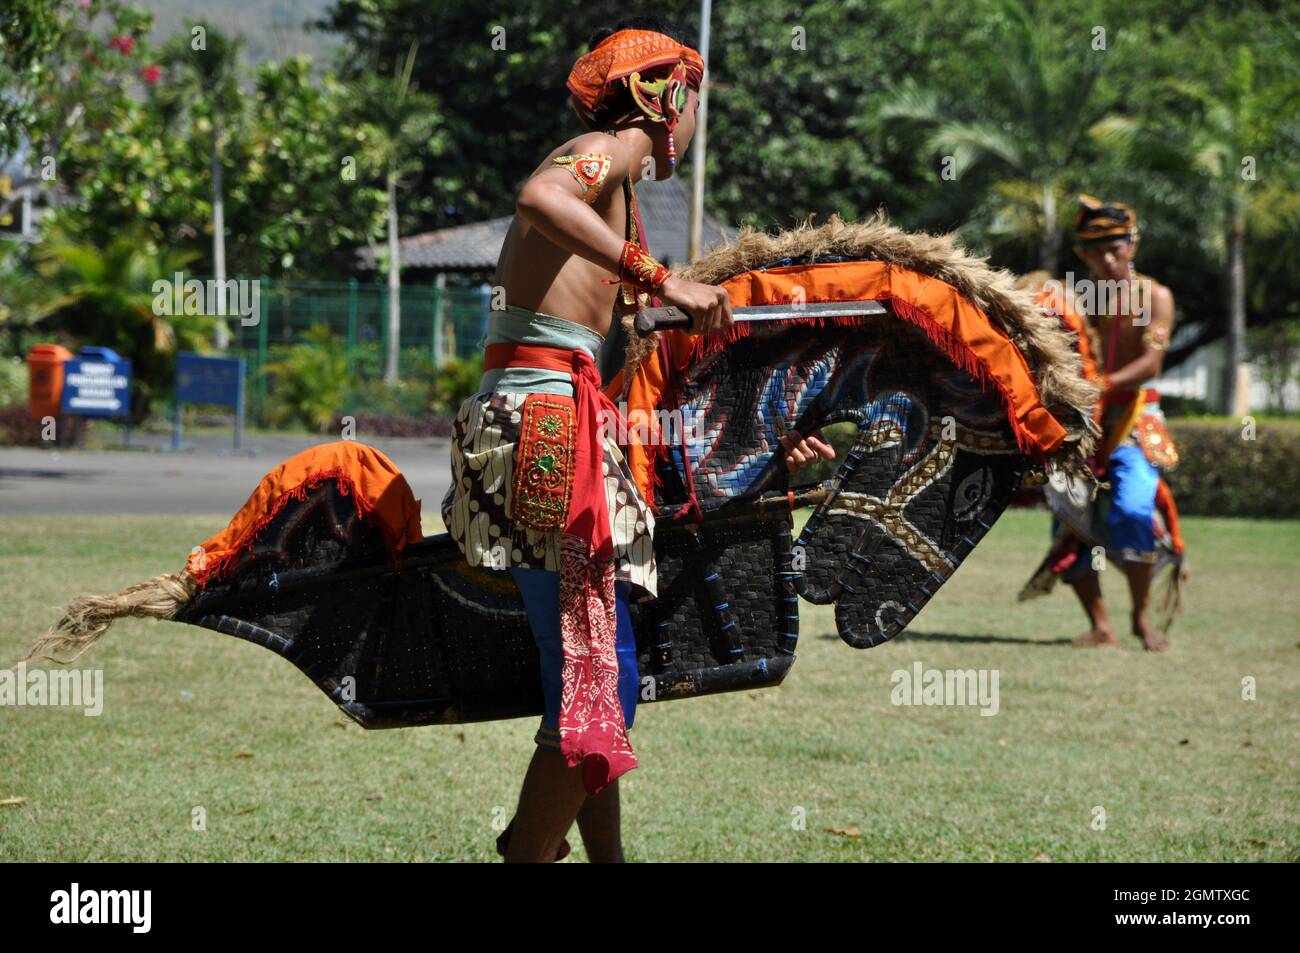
(623, 57)
(1101, 221)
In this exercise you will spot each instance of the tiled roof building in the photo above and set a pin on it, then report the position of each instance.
(665, 213)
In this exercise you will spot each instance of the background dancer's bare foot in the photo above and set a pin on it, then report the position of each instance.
(1152, 638)
(1098, 636)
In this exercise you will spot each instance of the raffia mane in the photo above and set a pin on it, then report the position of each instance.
(1047, 346)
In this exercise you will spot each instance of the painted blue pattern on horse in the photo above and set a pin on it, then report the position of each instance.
(787, 393)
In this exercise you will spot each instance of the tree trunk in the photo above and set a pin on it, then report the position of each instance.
(1235, 352)
(222, 334)
(1049, 243)
(394, 286)
(441, 346)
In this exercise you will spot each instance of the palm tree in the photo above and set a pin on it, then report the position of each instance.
(207, 78)
(1033, 128)
(398, 122)
(312, 382)
(1213, 154)
(107, 296)
(20, 295)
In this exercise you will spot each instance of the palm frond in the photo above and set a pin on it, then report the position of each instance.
(912, 103)
(971, 142)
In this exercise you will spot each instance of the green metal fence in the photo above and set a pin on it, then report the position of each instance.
(436, 324)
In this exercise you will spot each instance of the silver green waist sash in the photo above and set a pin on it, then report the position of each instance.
(515, 325)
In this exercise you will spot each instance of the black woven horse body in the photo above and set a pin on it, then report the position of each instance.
(953, 392)
(933, 466)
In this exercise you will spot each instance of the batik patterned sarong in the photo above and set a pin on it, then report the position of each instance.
(476, 507)
(608, 536)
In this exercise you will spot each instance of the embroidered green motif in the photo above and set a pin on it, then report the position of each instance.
(543, 480)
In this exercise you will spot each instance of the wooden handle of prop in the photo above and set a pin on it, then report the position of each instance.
(660, 319)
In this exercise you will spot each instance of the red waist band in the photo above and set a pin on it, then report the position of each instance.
(543, 356)
(1149, 396)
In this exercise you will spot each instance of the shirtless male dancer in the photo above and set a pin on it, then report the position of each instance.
(536, 487)
(1133, 316)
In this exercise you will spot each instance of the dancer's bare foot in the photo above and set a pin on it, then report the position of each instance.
(1098, 636)
(1152, 638)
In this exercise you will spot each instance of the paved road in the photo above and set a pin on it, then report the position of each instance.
(205, 478)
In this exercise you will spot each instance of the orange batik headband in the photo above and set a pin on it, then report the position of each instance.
(1099, 221)
(624, 56)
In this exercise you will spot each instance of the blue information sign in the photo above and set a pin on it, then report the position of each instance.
(97, 383)
(209, 380)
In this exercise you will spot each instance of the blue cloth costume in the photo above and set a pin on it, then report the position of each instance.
(1132, 502)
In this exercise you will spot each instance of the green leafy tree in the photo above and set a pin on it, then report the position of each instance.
(498, 73)
(287, 177)
(295, 184)
(30, 32)
(203, 70)
(792, 126)
(100, 140)
(78, 82)
(1215, 154)
(20, 297)
(106, 296)
(398, 130)
(138, 179)
(1032, 123)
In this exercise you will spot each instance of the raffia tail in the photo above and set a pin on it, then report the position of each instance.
(89, 617)
(1171, 602)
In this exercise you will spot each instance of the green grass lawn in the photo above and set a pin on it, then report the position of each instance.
(1182, 766)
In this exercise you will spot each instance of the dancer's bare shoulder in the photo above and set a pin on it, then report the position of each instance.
(611, 160)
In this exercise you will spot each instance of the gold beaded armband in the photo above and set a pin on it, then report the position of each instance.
(589, 169)
(1156, 338)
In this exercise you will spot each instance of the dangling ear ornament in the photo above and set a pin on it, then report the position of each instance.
(662, 100)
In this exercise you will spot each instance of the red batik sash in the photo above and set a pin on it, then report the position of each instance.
(592, 731)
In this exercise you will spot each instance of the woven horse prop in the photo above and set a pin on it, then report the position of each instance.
(956, 391)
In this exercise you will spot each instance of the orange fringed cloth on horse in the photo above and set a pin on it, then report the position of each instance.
(947, 319)
(380, 493)
(378, 488)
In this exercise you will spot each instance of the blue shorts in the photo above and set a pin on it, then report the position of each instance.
(541, 591)
(1129, 520)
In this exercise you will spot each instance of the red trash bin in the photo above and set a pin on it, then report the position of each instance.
(45, 378)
